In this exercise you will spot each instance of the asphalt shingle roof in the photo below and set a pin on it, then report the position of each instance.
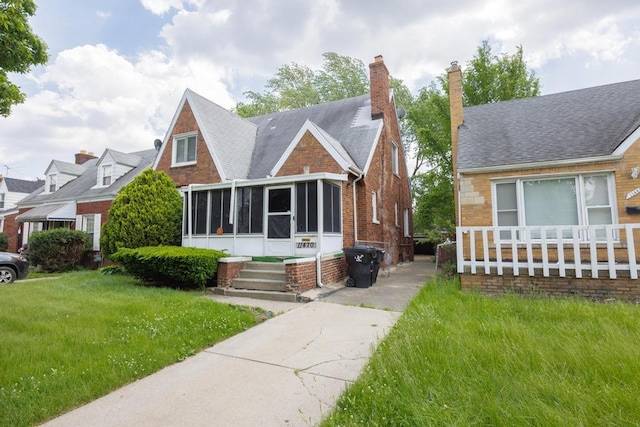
(347, 121)
(578, 124)
(81, 188)
(22, 186)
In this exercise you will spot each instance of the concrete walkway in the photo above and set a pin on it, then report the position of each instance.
(289, 370)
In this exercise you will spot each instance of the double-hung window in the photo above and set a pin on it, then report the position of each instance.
(184, 150)
(394, 158)
(1, 200)
(53, 183)
(106, 175)
(584, 199)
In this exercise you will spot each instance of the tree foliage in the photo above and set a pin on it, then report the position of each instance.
(488, 78)
(146, 212)
(20, 48)
(296, 86)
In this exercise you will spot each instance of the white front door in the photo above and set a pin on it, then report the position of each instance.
(279, 234)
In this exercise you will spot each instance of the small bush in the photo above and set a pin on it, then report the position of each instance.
(112, 269)
(4, 242)
(172, 266)
(58, 250)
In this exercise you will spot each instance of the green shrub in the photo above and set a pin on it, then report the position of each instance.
(112, 269)
(59, 249)
(4, 242)
(146, 212)
(172, 266)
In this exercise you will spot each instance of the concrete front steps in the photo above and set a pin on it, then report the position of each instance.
(260, 280)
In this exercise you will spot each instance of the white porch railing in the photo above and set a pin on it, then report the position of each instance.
(608, 248)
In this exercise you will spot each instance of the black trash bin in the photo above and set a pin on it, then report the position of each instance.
(376, 262)
(361, 261)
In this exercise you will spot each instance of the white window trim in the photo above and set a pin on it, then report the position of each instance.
(395, 156)
(395, 213)
(174, 149)
(581, 208)
(103, 176)
(52, 177)
(406, 223)
(374, 205)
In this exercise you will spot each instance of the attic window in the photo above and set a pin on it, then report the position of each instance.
(53, 182)
(106, 175)
(184, 150)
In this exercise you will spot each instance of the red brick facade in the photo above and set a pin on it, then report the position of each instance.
(12, 230)
(205, 170)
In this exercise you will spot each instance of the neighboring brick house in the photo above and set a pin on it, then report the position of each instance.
(548, 191)
(78, 195)
(299, 183)
(13, 190)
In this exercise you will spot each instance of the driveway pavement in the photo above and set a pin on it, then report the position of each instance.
(289, 370)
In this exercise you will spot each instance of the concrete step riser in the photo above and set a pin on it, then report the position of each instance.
(262, 285)
(271, 266)
(262, 274)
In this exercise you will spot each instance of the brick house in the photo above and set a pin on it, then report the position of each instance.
(548, 191)
(297, 184)
(13, 190)
(78, 195)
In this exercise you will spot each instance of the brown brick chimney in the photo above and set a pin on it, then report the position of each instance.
(83, 156)
(379, 77)
(457, 119)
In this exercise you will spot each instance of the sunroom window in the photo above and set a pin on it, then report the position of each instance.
(562, 201)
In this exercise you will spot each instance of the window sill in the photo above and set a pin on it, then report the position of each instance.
(179, 165)
(375, 221)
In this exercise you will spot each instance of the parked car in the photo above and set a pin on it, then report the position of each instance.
(12, 267)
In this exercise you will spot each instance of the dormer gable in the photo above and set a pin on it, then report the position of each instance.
(112, 165)
(59, 173)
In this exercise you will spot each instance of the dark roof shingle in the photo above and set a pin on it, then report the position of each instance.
(578, 124)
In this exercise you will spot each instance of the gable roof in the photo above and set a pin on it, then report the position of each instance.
(21, 185)
(345, 123)
(82, 188)
(127, 159)
(579, 124)
(68, 168)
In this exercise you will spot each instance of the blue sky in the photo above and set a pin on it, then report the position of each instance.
(119, 67)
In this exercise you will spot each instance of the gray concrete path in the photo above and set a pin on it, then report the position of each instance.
(289, 370)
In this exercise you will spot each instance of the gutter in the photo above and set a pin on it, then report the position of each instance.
(537, 165)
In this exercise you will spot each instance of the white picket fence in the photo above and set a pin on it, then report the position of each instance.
(523, 242)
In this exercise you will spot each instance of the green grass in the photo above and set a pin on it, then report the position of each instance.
(67, 341)
(462, 359)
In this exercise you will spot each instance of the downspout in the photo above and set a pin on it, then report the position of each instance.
(232, 208)
(355, 206)
(320, 208)
(319, 269)
(457, 183)
(189, 220)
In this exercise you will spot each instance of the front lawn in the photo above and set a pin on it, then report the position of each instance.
(67, 341)
(464, 359)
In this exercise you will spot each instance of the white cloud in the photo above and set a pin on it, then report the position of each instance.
(103, 14)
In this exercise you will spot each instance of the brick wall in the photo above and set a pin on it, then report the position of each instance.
(300, 276)
(334, 270)
(309, 152)
(227, 271)
(10, 229)
(101, 208)
(622, 287)
(204, 171)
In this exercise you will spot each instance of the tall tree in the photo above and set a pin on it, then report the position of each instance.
(488, 78)
(20, 48)
(296, 86)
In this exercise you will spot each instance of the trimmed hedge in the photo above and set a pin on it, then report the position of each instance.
(59, 249)
(172, 266)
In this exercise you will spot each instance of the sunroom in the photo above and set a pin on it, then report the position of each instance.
(290, 216)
